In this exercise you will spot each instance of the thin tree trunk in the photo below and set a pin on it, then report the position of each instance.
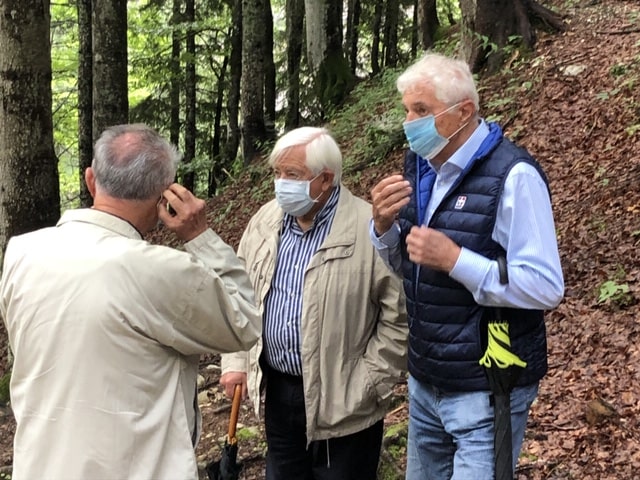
(391, 33)
(353, 31)
(176, 75)
(269, 74)
(85, 97)
(375, 41)
(215, 169)
(233, 97)
(188, 178)
(29, 193)
(295, 35)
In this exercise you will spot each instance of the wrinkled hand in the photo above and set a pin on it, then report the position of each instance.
(388, 197)
(432, 249)
(189, 218)
(229, 381)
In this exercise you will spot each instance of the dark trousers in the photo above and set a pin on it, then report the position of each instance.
(353, 457)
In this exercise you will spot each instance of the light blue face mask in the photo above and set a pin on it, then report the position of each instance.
(423, 136)
(293, 196)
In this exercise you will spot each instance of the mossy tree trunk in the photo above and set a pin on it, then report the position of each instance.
(85, 97)
(489, 26)
(110, 90)
(328, 65)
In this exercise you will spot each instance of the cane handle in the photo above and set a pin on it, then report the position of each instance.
(235, 410)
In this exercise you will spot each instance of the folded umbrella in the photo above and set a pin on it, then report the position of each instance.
(227, 468)
(503, 368)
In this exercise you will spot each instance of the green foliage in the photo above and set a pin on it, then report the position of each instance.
(614, 292)
(485, 42)
(371, 122)
(247, 433)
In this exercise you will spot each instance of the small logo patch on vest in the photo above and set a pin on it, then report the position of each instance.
(462, 199)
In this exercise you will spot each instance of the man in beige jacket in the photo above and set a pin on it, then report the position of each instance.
(334, 319)
(107, 329)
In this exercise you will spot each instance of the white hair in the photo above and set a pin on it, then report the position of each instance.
(450, 79)
(321, 150)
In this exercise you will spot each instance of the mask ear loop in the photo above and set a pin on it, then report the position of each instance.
(459, 129)
(314, 200)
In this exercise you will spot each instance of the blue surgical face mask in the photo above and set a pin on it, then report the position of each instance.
(423, 136)
(293, 196)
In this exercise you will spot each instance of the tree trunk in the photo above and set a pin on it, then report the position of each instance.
(295, 25)
(176, 75)
(29, 191)
(329, 67)
(188, 178)
(316, 23)
(391, 33)
(216, 167)
(110, 91)
(427, 22)
(269, 74)
(85, 97)
(353, 34)
(233, 96)
(375, 40)
(489, 24)
(252, 80)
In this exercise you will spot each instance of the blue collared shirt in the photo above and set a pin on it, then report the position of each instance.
(524, 228)
(283, 303)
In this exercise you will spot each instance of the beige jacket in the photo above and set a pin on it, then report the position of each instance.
(354, 326)
(107, 330)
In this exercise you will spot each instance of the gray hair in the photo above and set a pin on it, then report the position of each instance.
(321, 150)
(450, 78)
(133, 162)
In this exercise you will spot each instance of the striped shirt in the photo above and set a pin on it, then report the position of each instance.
(283, 303)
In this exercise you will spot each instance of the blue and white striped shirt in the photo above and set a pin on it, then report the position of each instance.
(283, 303)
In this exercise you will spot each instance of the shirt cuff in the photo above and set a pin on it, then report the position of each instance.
(388, 239)
(470, 269)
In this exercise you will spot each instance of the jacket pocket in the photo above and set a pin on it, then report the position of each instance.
(346, 394)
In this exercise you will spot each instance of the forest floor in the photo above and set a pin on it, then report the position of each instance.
(575, 104)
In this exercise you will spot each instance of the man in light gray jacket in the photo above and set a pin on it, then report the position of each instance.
(334, 319)
(107, 329)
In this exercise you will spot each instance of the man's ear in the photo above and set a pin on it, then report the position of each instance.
(327, 180)
(467, 111)
(90, 179)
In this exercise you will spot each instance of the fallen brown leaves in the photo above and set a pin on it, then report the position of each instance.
(575, 104)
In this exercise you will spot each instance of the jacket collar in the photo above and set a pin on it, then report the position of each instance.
(105, 220)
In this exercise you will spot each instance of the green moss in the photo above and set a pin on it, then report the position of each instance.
(4, 388)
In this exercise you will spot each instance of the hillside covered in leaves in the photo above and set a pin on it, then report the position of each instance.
(574, 103)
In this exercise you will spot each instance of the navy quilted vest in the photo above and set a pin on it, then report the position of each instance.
(447, 328)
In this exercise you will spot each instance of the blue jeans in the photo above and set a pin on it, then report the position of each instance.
(451, 433)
